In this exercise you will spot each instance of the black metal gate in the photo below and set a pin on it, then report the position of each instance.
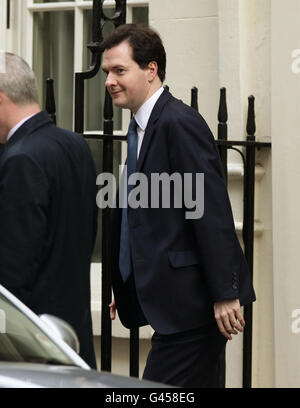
(248, 150)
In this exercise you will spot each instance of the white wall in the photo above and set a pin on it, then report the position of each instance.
(286, 197)
(189, 30)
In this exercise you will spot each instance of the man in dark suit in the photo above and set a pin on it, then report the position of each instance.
(182, 273)
(47, 207)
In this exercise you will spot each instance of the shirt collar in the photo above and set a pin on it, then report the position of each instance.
(17, 126)
(143, 114)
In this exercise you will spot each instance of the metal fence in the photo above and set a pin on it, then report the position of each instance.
(246, 148)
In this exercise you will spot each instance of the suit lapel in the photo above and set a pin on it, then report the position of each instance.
(162, 100)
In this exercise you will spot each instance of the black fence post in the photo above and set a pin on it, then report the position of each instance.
(7, 14)
(194, 98)
(134, 350)
(50, 100)
(223, 130)
(223, 135)
(106, 326)
(248, 237)
(134, 353)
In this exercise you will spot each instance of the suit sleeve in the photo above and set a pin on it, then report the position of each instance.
(23, 224)
(193, 150)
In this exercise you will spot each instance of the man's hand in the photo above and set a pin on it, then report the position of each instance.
(229, 317)
(113, 309)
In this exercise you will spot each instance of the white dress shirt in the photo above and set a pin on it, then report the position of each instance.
(17, 126)
(142, 116)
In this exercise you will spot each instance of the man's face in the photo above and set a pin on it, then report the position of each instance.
(126, 82)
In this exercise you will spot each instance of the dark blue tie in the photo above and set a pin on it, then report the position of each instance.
(125, 261)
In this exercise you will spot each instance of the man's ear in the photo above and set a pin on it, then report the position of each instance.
(153, 68)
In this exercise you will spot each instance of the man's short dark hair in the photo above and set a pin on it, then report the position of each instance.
(146, 45)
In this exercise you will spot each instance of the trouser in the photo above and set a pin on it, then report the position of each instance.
(187, 359)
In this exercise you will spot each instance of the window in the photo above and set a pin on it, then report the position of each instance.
(61, 31)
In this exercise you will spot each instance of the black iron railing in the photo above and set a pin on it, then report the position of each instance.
(250, 145)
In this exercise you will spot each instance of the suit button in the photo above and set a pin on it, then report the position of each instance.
(234, 286)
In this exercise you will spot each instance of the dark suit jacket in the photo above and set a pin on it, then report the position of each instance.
(48, 223)
(181, 266)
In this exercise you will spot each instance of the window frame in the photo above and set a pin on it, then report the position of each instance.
(78, 6)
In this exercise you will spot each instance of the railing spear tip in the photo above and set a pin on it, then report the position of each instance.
(222, 114)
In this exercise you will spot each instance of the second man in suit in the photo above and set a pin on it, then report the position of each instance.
(48, 213)
(184, 275)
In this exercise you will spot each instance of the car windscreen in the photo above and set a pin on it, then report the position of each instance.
(21, 340)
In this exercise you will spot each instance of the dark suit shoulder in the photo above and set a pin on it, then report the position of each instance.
(56, 156)
(16, 154)
(50, 142)
(181, 123)
(72, 136)
(178, 114)
(56, 136)
(189, 140)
